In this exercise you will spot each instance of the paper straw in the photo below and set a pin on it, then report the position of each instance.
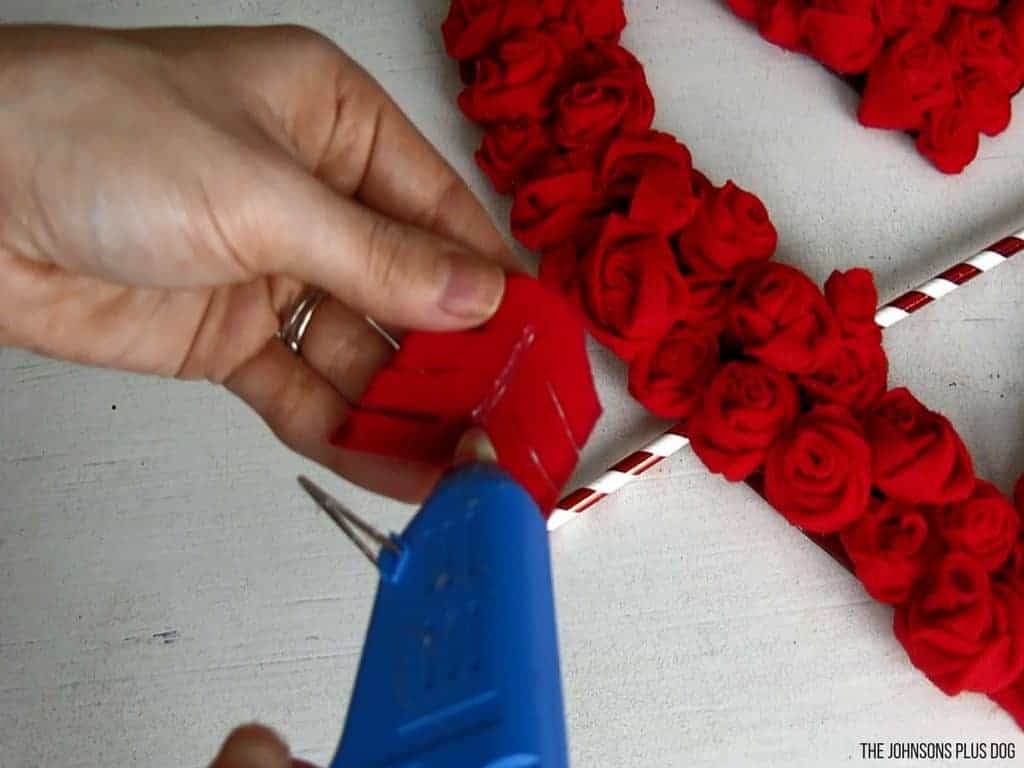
(675, 440)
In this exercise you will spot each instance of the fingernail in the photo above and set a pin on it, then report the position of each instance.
(474, 289)
(253, 746)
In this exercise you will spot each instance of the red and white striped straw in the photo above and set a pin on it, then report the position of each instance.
(674, 440)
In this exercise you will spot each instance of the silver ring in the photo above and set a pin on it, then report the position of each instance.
(297, 324)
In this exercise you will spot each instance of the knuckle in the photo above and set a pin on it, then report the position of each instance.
(387, 244)
(304, 41)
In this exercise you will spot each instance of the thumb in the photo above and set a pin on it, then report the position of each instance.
(254, 746)
(395, 272)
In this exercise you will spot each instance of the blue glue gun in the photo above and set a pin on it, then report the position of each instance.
(460, 665)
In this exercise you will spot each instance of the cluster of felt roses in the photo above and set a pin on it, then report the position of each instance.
(778, 383)
(944, 70)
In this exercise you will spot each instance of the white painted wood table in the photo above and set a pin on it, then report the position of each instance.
(162, 578)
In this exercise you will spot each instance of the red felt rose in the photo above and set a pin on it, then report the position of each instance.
(779, 316)
(975, 5)
(964, 632)
(1013, 18)
(510, 150)
(559, 268)
(949, 139)
(984, 525)
(853, 298)
(565, 207)
(911, 77)
(473, 26)
(916, 455)
(987, 104)
(596, 19)
(982, 43)
(921, 17)
(844, 35)
(650, 177)
(744, 408)
(667, 377)
(608, 95)
(745, 9)
(855, 376)
(708, 302)
(818, 473)
(515, 80)
(889, 547)
(630, 288)
(778, 21)
(730, 230)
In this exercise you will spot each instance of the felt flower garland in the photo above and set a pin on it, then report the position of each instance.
(944, 70)
(780, 384)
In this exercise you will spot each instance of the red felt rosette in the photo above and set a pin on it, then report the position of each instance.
(473, 26)
(730, 230)
(596, 19)
(649, 178)
(509, 151)
(965, 632)
(515, 81)
(607, 95)
(982, 43)
(668, 377)
(987, 105)
(563, 207)
(779, 317)
(890, 547)
(844, 35)
(916, 455)
(949, 139)
(818, 472)
(630, 289)
(984, 525)
(744, 408)
(854, 299)
(913, 77)
(853, 376)
(778, 21)
(922, 18)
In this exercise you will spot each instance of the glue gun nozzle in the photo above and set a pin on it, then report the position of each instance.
(348, 521)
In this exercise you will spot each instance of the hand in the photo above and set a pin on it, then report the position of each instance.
(167, 194)
(253, 746)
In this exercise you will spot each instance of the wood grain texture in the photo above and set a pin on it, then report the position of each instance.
(162, 579)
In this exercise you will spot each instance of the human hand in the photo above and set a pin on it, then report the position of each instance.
(253, 746)
(168, 194)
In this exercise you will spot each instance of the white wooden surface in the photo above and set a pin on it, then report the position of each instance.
(162, 579)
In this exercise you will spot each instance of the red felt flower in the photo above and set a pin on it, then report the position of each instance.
(473, 26)
(854, 298)
(916, 455)
(984, 525)
(910, 78)
(667, 377)
(596, 19)
(523, 377)
(559, 269)
(1013, 17)
(780, 317)
(564, 207)
(730, 230)
(982, 43)
(509, 151)
(745, 9)
(987, 104)
(855, 376)
(744, 408)
(649, 176)
(964, 632)
(890, 547)
(778, 21)
(923, 18)
(818, 473)
(630, 288)
(975, 5)
(607, 95)
(844, 35)
(708, 300)
(949, 139)
(515, 80)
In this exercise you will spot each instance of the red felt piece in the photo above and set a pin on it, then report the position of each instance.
(523, 377)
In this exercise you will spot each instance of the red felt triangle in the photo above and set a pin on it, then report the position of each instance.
(523, 377)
